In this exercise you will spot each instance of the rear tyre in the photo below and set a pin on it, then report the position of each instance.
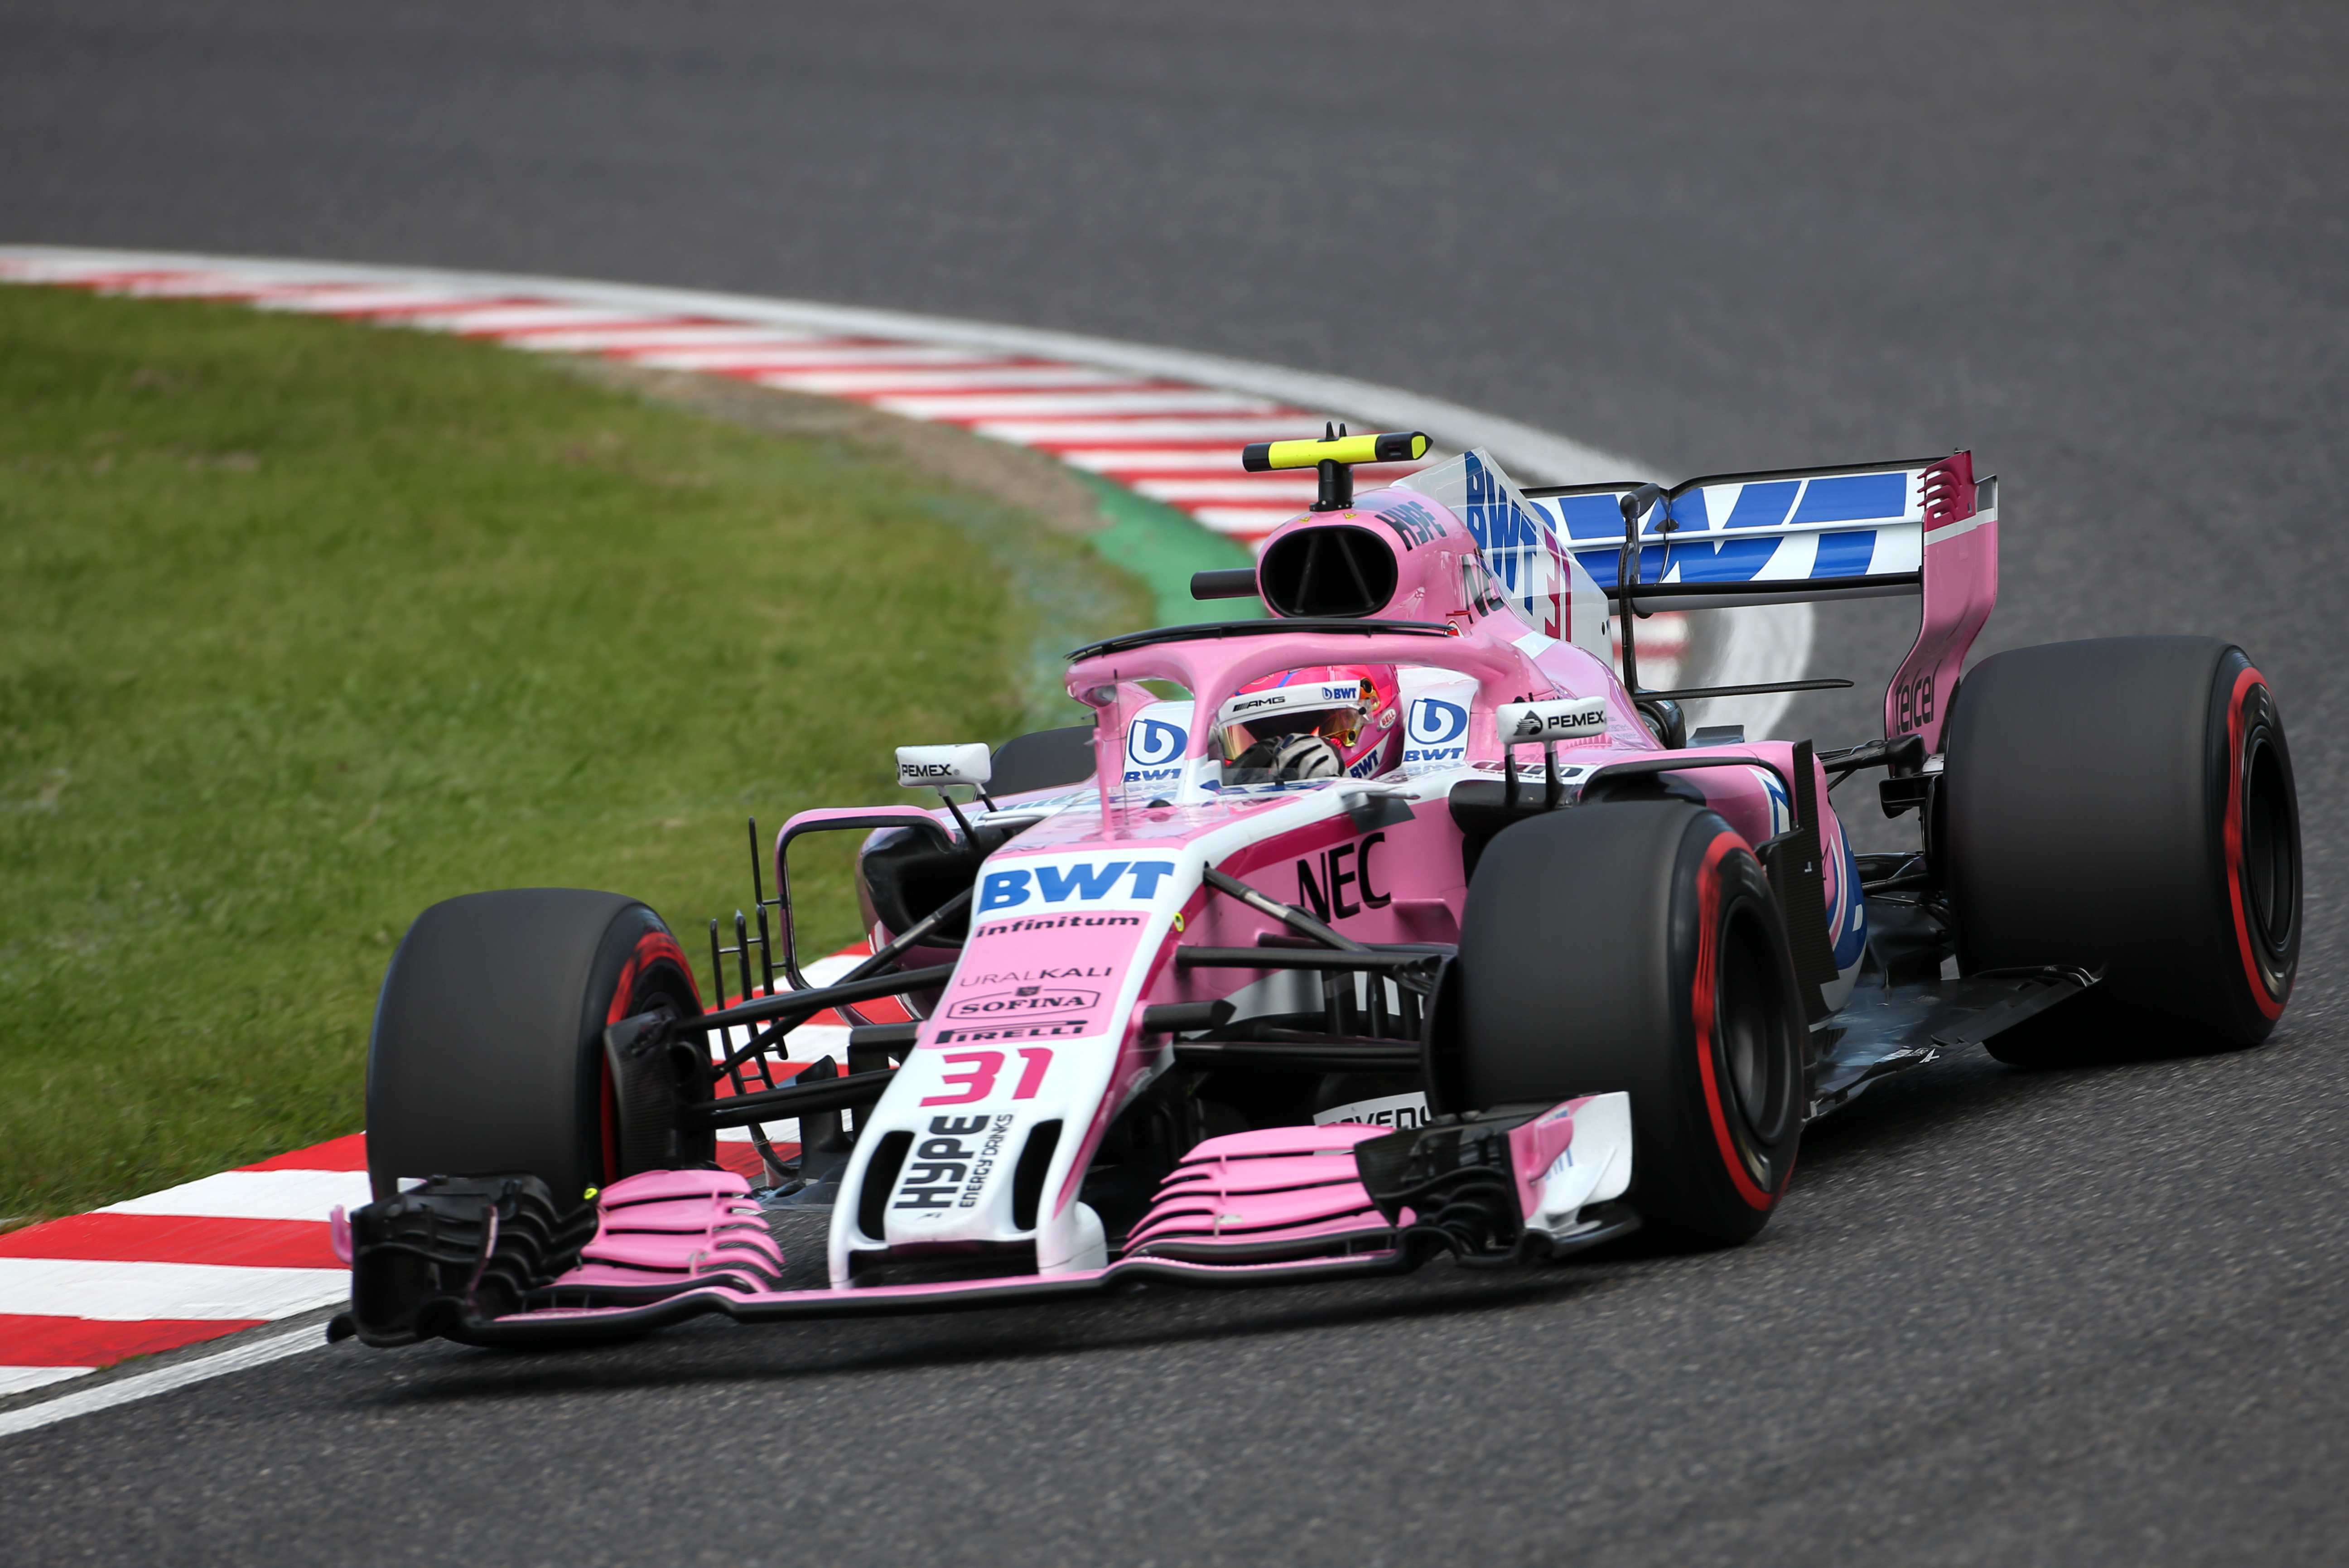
(1636, 946)
(2125, 803)
(488, 1052)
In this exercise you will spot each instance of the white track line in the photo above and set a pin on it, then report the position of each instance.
(255, 1349)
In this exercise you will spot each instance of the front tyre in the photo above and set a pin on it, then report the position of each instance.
(2126, 804)
(488, 1052)
(1635, 946)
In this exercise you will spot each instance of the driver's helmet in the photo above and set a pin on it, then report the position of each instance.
(1324, 722)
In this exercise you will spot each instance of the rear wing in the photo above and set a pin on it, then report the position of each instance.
(1923, 526)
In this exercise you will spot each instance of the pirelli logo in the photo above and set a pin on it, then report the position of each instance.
(1057, 1029)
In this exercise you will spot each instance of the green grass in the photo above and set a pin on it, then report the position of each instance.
(304, 627)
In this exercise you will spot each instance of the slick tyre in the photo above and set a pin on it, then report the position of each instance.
(487, 1053)
(2126, 803)
(1636, 946)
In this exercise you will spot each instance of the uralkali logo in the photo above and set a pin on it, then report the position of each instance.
(1027, 1002)
(1048, 887)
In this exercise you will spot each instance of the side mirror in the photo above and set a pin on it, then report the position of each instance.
(934, 767)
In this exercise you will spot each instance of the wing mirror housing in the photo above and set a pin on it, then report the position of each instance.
(934, 767)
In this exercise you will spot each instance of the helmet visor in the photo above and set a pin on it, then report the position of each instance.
(1341, 727)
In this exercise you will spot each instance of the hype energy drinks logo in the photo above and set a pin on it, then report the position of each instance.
(1154, 744)
(1046, 894)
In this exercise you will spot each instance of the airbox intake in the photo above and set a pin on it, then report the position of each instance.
(1336, 571)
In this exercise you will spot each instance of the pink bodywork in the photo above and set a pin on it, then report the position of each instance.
(668, 1228)
(994, 1059)
(1292, 1188)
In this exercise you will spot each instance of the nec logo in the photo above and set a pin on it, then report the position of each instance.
(1087, 882)
(1322, 881)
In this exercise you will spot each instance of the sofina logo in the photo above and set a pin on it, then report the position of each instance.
(1439, 731)
(1083, 884)
(1028, 1001)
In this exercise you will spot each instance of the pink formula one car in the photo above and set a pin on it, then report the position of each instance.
(1413, 925)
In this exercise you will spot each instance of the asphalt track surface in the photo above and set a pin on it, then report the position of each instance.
(2004, 1317)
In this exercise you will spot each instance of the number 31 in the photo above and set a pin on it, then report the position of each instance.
(981, 1069)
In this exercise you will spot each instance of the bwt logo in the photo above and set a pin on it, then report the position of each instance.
(1501, 531)
(1435, 722)
(1087, 882)
(1152, 744)
(1439, 731)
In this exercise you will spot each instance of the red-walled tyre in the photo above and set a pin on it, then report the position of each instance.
(1636, 946)
(2126, 803)
(488, 1052)
(2127, 806)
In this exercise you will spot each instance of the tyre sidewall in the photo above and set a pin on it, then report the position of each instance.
(2097, 818)
(1628, 904)
(1718, 1167)
(486, 1051)
(2262, 957)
